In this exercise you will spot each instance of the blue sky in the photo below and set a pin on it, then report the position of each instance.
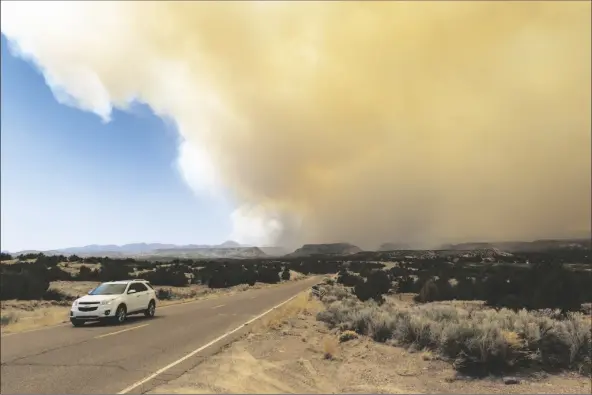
(68, 179)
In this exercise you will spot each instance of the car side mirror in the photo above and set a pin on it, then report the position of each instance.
(131, 291)
(89, 292)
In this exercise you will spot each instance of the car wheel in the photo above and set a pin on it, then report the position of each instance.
(77, 323)
(120, 314)
(151, 310)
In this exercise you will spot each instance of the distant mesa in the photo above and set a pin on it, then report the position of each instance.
(231, 244)
(523, 246)
(326, 249)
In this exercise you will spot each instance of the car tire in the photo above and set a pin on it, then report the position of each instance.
(76, 323)
(151, 310)
(120, 314)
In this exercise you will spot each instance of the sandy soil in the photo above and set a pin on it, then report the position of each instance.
(23, 315)
(290, 352)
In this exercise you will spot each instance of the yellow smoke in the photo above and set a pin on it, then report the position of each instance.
(418, 122)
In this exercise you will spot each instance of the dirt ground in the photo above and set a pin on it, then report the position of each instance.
(290, 352)
(23, 315)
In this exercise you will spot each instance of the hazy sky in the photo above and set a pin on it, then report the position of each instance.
(292, 122)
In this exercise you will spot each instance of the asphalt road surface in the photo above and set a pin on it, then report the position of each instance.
(136, 356)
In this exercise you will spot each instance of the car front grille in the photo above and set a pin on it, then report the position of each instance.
(89, 303)
(88, 308)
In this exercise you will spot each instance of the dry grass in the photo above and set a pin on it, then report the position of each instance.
(427, 355)
(27, 320)
(330, 347)
(301, 305)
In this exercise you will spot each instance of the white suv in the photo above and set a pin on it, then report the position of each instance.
(114, 301)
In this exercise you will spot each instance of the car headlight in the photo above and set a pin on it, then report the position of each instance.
(106, 302)
(75, 303)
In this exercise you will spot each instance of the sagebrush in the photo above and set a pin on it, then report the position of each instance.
(475, 339)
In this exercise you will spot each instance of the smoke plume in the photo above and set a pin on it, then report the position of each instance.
(416, 122)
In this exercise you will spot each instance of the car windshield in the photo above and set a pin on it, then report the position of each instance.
(108, 289)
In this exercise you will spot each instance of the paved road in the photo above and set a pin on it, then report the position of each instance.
(101, 359)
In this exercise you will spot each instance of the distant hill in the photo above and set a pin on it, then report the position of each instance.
(524, 246)
(231, 244)
(210, 252)
(133, 249)
(326, 249)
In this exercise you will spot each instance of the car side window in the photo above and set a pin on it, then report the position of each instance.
(139, 287)
(133, 286)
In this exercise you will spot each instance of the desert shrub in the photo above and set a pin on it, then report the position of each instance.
(334, 293)
(9, 318)
(348, 279)
(347, 336)
(4, 256)
(28, 256)
(268, 275)
(477, 341)
(56, 295)
(87, 274)
(166, 276)
(545, 285)
(113, 271)
(56, 273)
(381, 327)
(164, 294)
(49, 261)
(285, 275)
(405, 284)
(25, 281)
(364, 291)
(429, 292)
(376, 285)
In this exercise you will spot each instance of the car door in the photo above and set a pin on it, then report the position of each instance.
(133, 299)
(143, 296)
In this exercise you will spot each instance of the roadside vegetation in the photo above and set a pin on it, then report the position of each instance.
(476, 339)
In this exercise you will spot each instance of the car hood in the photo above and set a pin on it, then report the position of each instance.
(97, 298)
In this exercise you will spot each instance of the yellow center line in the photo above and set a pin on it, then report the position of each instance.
(124, 330)
(215, 307)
